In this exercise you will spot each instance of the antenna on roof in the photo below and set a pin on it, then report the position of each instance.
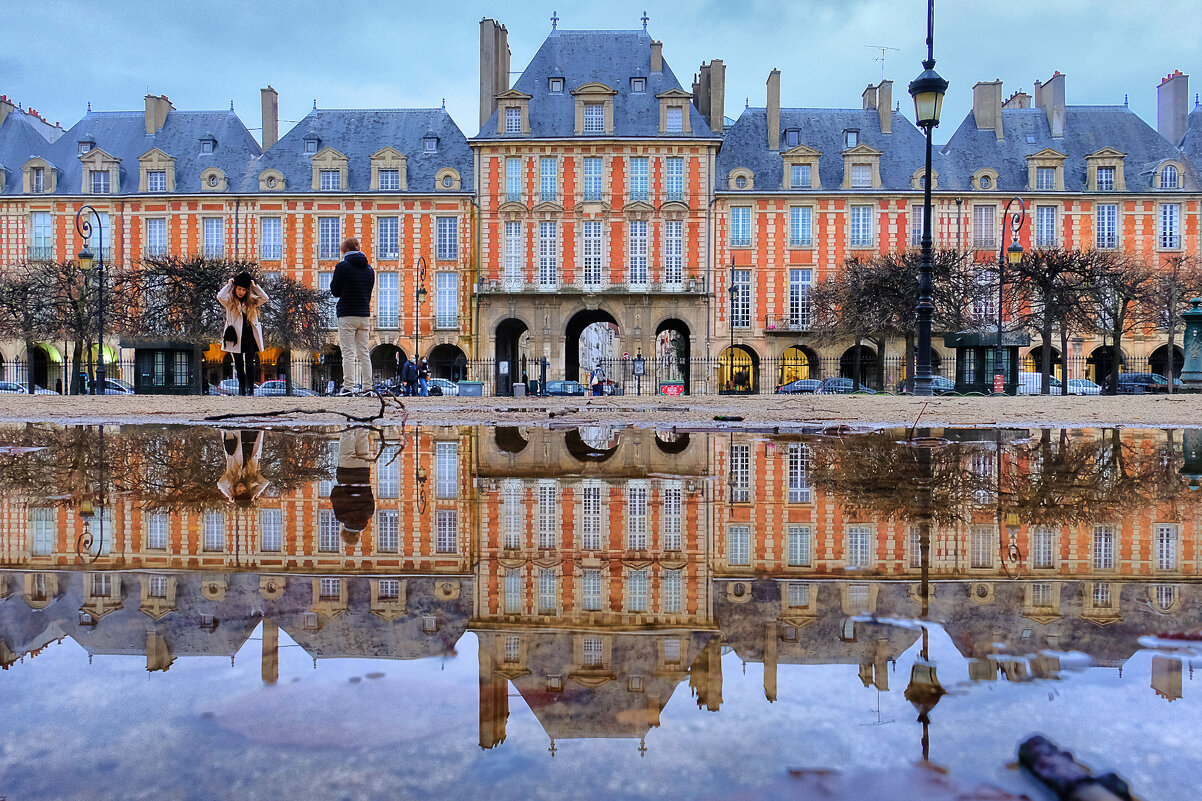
(554, 20)
(645, 20)
(881, 57)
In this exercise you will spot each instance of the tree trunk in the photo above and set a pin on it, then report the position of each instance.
(287, 358)
(1045, 356)
(1063, 360)
(1172, 337)
(29, 346)
(855, 368)
(880, 364)
(909, 360)
(1114, 356)
(76, 369)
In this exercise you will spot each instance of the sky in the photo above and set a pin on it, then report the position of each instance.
(365, 54)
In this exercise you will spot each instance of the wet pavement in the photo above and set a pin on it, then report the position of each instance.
(525, 612)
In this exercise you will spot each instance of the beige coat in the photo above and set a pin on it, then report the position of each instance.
(255, 298)
(239, 470)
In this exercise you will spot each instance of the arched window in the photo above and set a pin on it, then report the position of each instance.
(1168, 177)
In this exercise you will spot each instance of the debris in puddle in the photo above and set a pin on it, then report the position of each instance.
(1068, 779)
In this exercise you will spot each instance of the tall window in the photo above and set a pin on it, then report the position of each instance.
(388, 472)
(638, 179)
(548, 174)
(636, 515)
(915, 546)
(214, 237)
(37, 180)
(738, 545)
(799, 472)
(674, 178)
(859, 546)
(1101, 595)
(156, 236)
(591, 250)
(1107, 225)
(329, 180)
(981, 547)
(1103, 547)
(801, 226)
(740, 473)
(1170, 225)
(1043, 548)
(1168, 178)
(214, 532)
(799, 546)
(329, 238)
(799, 176)
(740, 226)
(390, 180)
(513, 119)
(592, 178)
(1106, 179)
(42, 522)
(861, 176)
(446, 531)
(590, 590)
(513, 253)
(799, 299)
(671, 502)
(590, 516)
(448, 239)
(447, 288)
(674, 119)
(156, 180)
(636, 591)
(799, 594)
(1166, 546)
(513, 591)
(638, 252)
(548, 513)
(100, 182)
(513, 179)
(513, 518)
(42, 235)
(388, 237)
(446, 470)
(271, 530)
(984, 304)
(1045, 226)
(546, 591)
(548, 254)
(673, 251)
(387, 299)
(860, 233)
(1045, 178)
(270, 238)
(323, 284)
(983, 234)
(740, 313)
(594, 118)
(328, 540)
(673, 592)
(916, 224)
(156, 530)
(591, 651)
(388, 531)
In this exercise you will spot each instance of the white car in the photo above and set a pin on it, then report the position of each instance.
(13, 388)
(1032, 384)
(447, 386)
(1083, 386)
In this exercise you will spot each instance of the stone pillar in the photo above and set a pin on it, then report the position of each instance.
(1191, 369)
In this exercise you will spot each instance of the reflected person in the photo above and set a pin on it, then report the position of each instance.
(352, 498)
(242, 482)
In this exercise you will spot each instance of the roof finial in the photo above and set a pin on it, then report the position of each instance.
(231, 105)
(554, 20)
(746, 103)
(89, 106)
(1195, 99)
(553, 748)
(645, 19)
(315, 104)
(444, 104)
(1125, 99)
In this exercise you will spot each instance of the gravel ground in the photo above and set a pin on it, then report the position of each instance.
(650, 411)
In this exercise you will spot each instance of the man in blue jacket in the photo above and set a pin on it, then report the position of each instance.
(352, 283)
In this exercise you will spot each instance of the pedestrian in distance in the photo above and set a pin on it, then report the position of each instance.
(352, 283)
(243, 299)
(597, 380)
(423, 378)
(409, 377)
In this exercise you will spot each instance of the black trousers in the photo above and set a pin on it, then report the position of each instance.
(246, 365)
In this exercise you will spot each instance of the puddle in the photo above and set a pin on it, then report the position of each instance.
(553, 613)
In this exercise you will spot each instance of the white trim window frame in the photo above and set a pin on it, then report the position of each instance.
(638, 277)
(388, 238)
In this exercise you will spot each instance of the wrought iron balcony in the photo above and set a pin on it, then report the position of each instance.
(789, 324)
(515, 286)
(40, 253)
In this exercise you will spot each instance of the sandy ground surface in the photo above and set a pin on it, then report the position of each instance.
(763, 411)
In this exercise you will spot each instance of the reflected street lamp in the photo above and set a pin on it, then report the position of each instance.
(927, 90)
(83, 226)
(1013, 255)
(419, 300)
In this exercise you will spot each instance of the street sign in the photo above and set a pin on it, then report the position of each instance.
(672, 388)
(999, 385)
(626, 355)
(503, 367)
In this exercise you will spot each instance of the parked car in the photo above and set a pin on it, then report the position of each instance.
(1138, 383)
(1083, 386)
(13, 388)
(112, 386)
(841, 386)
(565, 388)
(1032, 384)
(800, 386)
(227, 387)
(276, 387)
(444, 385)
(939, 386)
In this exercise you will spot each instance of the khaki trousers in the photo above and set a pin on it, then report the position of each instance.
(353, 335)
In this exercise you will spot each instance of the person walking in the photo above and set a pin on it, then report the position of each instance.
(409, 377)
(597, 380)
(423, 378)
(352, 283)
(243, 299)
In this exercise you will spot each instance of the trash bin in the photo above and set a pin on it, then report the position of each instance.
(519, 390)
(471, 389)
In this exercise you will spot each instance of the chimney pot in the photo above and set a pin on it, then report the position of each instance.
(987, 106)
(1172, 101)
(773, 110)
(657, 56)
(270, 108)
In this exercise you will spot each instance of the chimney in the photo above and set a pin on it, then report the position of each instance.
(157, 107)
(869, 97)
(1050, 97)
(494, 65)
(1019, 99)
(717, 101)
(1172, 98)
(884, 105)
(657, 56)
(271, 116)
(774, 110)
(701, 91)
(987, 106)
(6, 106)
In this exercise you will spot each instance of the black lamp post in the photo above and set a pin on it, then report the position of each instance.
(83, 226)
(419, 300)
(1013, 254)
(730, 313)
(927, 90)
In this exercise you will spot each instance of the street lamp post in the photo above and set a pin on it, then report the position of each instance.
(419, 299)
(83, 226)
(927, 90)
(1013, 254)
(730, 319)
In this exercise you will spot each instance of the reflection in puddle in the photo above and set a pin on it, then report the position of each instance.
(884, 594)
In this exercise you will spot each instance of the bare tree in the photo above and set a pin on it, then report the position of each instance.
(1178, 279)
(1117, 287)
(1045, 294)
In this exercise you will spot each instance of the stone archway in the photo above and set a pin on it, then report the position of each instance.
(673, 354)
(797, 362)
(386, 361)
(573, 333)
(510, 358)
(1033, 361)
(1100, 362)
(738, 371)
(1158, 361)
(868, 368)
(449, 362)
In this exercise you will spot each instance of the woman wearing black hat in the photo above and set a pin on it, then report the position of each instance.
(242, 299)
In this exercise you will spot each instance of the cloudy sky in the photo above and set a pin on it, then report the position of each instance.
(365, 54)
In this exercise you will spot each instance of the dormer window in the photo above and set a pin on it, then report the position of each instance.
(861, 176)
(331, 180)
(311, 143)
(156, 180)
(799, 176)
(851, 138)
(100, 182)
(792, 137)
(594, 118)
(1169, 178)
(513, 120)
(86, 144)
(555, 85)
(1105, 179)
(1045, 178)
(208, 143)
(390, 180)
(430, 142)
(37, 180)
(675, 119)
(638, 84)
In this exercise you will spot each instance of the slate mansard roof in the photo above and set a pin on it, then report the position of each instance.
(746, 145)
(608, 57)
(1087, 129)
(357, 134)
(20, 138)
(122, 134)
